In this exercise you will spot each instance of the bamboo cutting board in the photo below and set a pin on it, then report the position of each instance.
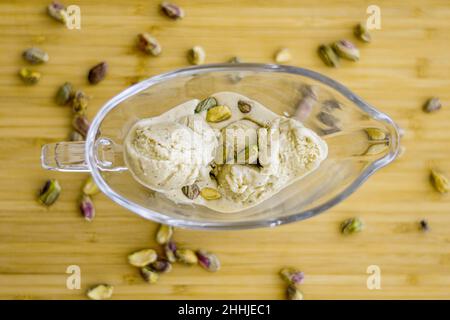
(408, 61)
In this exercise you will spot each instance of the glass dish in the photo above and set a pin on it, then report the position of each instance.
(353, 155)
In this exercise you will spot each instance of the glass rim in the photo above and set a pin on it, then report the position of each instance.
(237, 67)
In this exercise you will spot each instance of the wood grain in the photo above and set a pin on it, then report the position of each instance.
(408, 61)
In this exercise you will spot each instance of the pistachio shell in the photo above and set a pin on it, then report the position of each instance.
(196, 55)
(346, 50)
(283, 55)
(206, 104)
(351, 225)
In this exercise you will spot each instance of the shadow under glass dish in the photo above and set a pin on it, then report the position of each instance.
(338, 116)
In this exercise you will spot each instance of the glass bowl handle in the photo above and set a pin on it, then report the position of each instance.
(71, 156)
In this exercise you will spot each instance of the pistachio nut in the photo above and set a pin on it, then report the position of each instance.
(90, 187)
(100, 292)
(97, 73)
(208, 261)
(49, 192)
(328, 56)
(169, 249)
(164, 234)
(218, 114)
(292, 275)
(56, 11)
(196, 55)
(142, 258)
(362, 33)
(432, 105)
(294, 293)
(149, 275)
(35, 55)
(87, 208)
(351, 225)
(346, 50)
(210, 194)
(205, 104)
(64, 94)
(79, 102)
(29, 76)
(186, 256)
(375, 149)
(439, 181)
(283, 55)
(191, 192)
(75, 136)
(375, 133)
(81, 124)
(172, 10)
(148, 44)
(161, 266)
(244, 106)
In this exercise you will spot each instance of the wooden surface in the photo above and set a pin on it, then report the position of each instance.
(408, 61)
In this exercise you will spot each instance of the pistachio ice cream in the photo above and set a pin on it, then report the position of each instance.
(213, 154)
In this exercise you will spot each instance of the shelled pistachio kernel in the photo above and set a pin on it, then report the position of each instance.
(294, 293)
(346, 50)
(375, 133)
(218, 114)
(148, 44)
(87, 208)
(439, 181)
(172, 10)
(56, 11)
(90, 188)
(362, 33)
(81, 124)
(169, 249)
(206, 104)
(191, 192)
(208, 261)
(375, 149)
(328, 56)
(292, 275)
(186, 256)
(149, 275)
(283, 55)
(244, 106)
(98, 72)
(49, 192)
(35, 55)
(164, 234)
(351, 225)
(100, 292)
(75, 136)
(432, 105)
(210, 193)
(29, 76)
(161, 266)
(79, 102)
(196, 55)
(64, 94)
(142, 258)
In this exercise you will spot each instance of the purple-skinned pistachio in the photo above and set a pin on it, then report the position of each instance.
(87, 208)
(161, 266)
(170, 248)
(292, 275)
(172, 10)
(346, 50)
(81, 124)
(208, 261)
(49, 192)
